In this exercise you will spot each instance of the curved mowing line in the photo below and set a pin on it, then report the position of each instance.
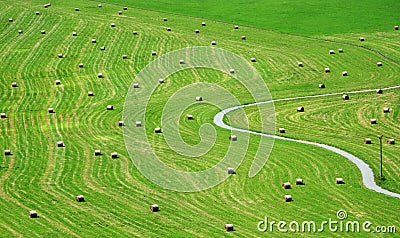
(366, 171)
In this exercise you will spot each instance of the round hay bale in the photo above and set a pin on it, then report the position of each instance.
(50, 110)
(125, 8)
(10, 19)
(100, 75)
(154, 208)
(121, 123)
(190, 117)
(114, 155)
(135, 85)
(20, 31)
(300, 109)
(90, 94)
(168, 29)
(327, 70)
(340, 50)
(134, 32)
(287, 198)
(60, 144)
(103, 48)
(213, 43)
(181, 61)
(379, 91)
(230, 171)
(361, 39)
(390, 141)
(228, 227)
(299, 181)
(157, 130)
(396, 28)
(7, 152)
(236, 27)
(373, 121)
(99, 5)
(94, 41)
(138, 124)
(112, 24)
(339, 181)
(124, 56)
(165, 19)
(110, 107)
(80, 65)
(3, 115)
(281, 130)
(344, 73)
(60, 56)
(80, 198)
(43, 32)
(33, 214)
(14, 84)
(203, 24)
(199, 99)
(233, 138)
(379, 64)
(300, 64)
(321, 85)
(253, 60)
(153, 53)
(286, 185)
(367, 141)
(46, 5)
(345, 97)
(74, 33)
(37, 13)
(119, 12)
(76, 9)
(386, 110)
(161, 80)
(331, 52)
(232, 71)
(197, 31)
(97, 152)
(243, 37)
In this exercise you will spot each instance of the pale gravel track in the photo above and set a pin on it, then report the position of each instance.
(366, 171)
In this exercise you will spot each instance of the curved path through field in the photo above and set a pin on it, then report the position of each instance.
(366, 171)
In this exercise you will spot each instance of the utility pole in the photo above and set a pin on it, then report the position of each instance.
(380, 143)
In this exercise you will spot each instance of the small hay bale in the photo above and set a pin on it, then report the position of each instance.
(379, 91)
(99, 5)
(103, 48)
(233, 138)
(396, 28)
(327, 70)
(33, 214)
(373, 121)
(97, 152)
(243, 37)
(50, 110)
(90, 94)
(339, 181)
(3, 115)
(94, 40)
(125, 8)
(80, 65)
(299, 181)
(168, 29)
(46, 5)
(43, 32)
(134, 32)
(138, 124)
(190, 117)
(161, 80)
(199, 99)
(300, 109)
(232, 71)
(331, 52)
(57, 82)
(300, 64)
(76, 9)
(181, 61)
(321, 85)
(287, 198)
(230, 171)
(367, 141)
(110, 107)
(10, 19)
(197, 31)
(119, 12)
(379, 64)
(157, 130)
(100, 75)
(60, 144)
(386, 110)
(112, 24)
(135, 85)
(390, 141)
(344, 73)
(37, 13)
(153, 53)
(7, 152)
(14, 84)
(213, 43)
(165, 19)
(253, 60)
(228, 227)
(80, 198)
(361, 39)
(154, 208)
(74, 33)
(114, 155)
(236, 27)
(345, 97)
(286, 185)
(60, 56)
(20, 31)
(340, 50)
(203, 24)
(124, 56)
(281, 130)
(121, 123)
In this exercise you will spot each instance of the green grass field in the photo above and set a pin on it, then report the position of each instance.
(40, 176)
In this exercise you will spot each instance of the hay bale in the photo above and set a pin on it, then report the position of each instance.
(373, 121)
(124, 56)
(14, 84)
(287, 198)
(20, 31)
(253, 60)
(286, 185)
(60, 144)
(213, 43)
(232, 71)
(243, 37)
(121, 123)
(345, 97)
(300, 109)
(344, 73)
(119, 12)
(50, 110)
(110, 107)
(80, 65)
(331, 52)
(76, 9)
(97, 152)
(103, 48)
(74, 33)
(114, 155)
(228, 227)
(165, 19)
(100, 75)
(199, 99)
(157, 130)
(236, 27)
(99, 5)
(3, 115)
(135, 85)
(90, 94)
(10, 19)
(33, 214)
(190, 117)
(134, 32)
(80, 198)
(60, 56)
(154, 208)
(379, 64)
(138, 124)
(321, 85)
(153, 53)
(161, 80)
(300, 64)
(197, 31)
(230, 171)
(327, 70)
(233, 138)
(367, 141)
(390, 141)
(125, 8)
(112, 24)
(203, 24)
(168, 29)
(340, 50)
(43, 32)
(281, 130)
(379, 91)
(45, 5)
(7, 152)
(181, 61)
(339, 181)
(396, 28)
(299, 181)
(37, 13)
(386, 110)
(94, 40)
(361, 39)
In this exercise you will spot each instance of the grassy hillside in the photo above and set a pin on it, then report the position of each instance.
(41, 176)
